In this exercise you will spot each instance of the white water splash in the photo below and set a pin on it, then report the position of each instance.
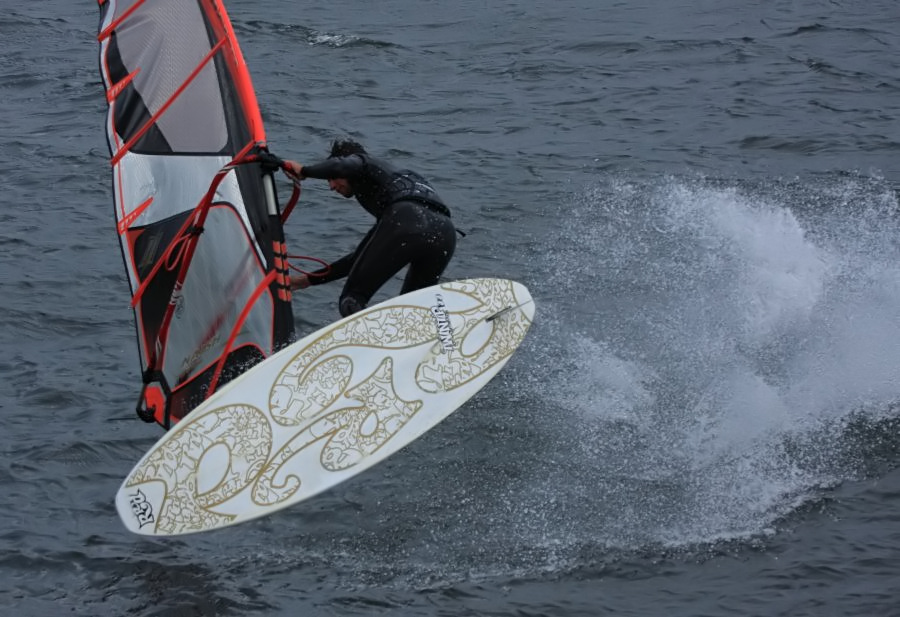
(729, 337)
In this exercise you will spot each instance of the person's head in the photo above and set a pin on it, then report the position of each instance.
(341, 186)
(345, 147)
(339, 148)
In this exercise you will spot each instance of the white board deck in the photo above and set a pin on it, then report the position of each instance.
(326, 408)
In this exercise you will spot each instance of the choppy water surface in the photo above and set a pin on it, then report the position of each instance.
(704, 419)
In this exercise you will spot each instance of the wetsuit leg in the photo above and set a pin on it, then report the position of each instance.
(431, 258)
(407, 234)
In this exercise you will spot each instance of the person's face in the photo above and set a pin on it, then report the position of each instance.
(342, 186)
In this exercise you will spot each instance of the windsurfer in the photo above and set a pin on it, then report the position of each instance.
(412, 226)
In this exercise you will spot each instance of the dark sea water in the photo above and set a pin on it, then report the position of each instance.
(705, 418)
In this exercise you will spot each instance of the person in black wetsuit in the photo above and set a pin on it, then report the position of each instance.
(412, 226)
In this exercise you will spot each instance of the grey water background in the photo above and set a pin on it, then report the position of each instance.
(704, 418)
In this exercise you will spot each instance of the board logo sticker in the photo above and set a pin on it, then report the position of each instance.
(141, 508)
(442, 323)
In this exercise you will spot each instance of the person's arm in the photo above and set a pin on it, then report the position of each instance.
(334, 271)
(299, 281)
(338, 167)
(337, 270)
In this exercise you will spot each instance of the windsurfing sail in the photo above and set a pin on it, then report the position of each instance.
(197, 214)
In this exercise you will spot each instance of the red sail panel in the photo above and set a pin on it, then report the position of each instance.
(196, 211)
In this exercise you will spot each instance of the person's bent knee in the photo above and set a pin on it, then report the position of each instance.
(350, 305)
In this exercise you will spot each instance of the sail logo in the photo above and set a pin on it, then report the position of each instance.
(442, 324)
(141, 508)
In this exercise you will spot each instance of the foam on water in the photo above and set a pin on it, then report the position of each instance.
(714, 341)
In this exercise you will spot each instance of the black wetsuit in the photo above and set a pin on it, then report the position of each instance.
(413, 228)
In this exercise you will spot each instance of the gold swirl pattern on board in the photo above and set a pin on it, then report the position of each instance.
(352, 433)
(247, 435)
(300, 394)
(314, 391)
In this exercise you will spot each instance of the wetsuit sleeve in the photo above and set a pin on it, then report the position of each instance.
(337, 270)
(338, 167)
(340, 268)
